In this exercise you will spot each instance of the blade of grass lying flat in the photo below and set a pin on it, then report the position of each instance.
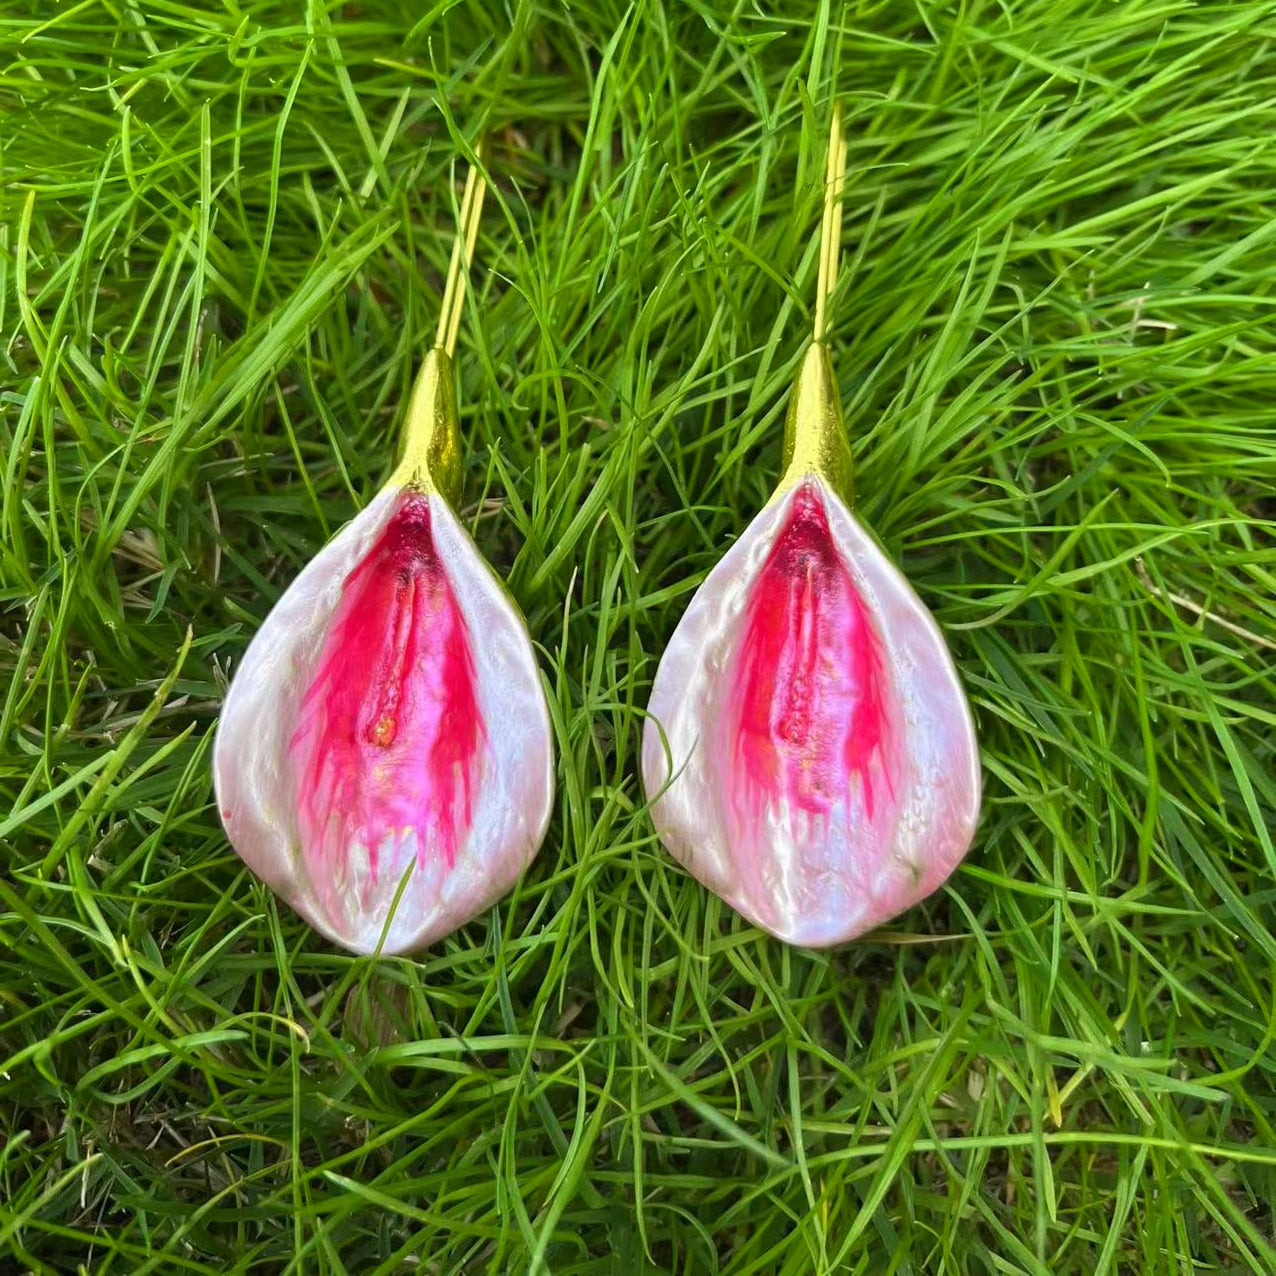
(718, 1120)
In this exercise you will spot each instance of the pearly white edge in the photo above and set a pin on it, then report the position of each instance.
(254, 780)
(939, 808)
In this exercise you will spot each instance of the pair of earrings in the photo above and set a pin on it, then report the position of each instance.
(384, 759)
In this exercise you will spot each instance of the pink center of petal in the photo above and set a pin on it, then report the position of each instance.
(389, 737)
(810, 730)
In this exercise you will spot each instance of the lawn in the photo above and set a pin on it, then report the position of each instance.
(224, 231)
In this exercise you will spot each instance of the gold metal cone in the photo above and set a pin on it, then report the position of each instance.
(814, 435)
(432, 433)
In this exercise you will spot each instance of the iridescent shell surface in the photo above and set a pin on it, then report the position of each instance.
(809, 754)
(386, 735)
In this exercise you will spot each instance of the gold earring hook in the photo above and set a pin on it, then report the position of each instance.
(462, 255)
(830, 223)
(814, 436)
(432, 432)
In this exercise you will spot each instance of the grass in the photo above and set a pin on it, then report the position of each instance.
(223, 234)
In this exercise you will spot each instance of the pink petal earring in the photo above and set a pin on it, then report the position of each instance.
(809, 753)
(383, 759)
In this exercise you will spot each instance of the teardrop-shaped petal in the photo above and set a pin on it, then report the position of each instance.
(818, 766)
(386, 731)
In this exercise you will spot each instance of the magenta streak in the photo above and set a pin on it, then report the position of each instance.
(389, 737)
(810, 711)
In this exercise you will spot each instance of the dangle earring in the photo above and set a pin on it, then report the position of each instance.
(383, 759)
(809, 753)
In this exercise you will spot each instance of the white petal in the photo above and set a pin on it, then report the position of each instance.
(811, 890)
(256, 787)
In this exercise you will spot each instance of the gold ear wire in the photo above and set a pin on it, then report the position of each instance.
(432, 432)
(831, 222)
(814, 436)
(462, 254)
